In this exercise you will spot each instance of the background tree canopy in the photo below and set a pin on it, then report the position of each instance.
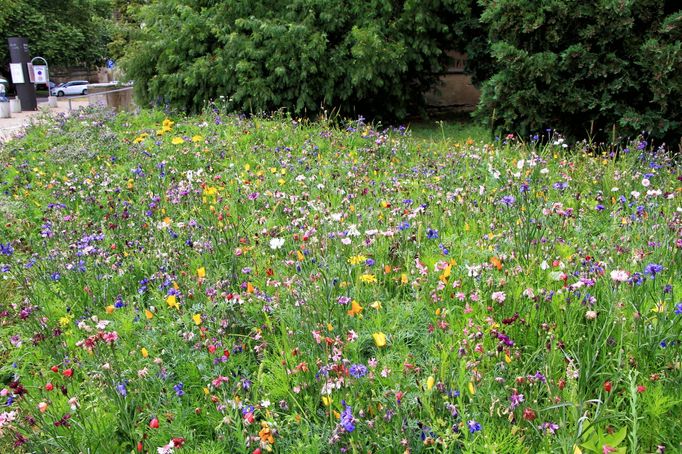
(66, 33)
(371, 57)
(584, 67)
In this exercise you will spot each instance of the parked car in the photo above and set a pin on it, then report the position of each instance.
(74, 87)
(45, 86)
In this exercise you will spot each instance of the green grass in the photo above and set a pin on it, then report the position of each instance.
(234, 279)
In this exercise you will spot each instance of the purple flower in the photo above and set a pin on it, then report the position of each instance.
(508, 200)
(516, 400)
(179, 389)
(347, 420)
(473, 426)
(432, 234)
(121, 388)
(652, 269)
(548, 427)
(678, 309)
(358, 370)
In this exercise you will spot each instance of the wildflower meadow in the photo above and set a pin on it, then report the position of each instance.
(218, 283)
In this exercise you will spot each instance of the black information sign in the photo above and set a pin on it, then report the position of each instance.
(19, 54)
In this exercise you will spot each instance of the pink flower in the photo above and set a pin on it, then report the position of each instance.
(110, 337)
(499, 297)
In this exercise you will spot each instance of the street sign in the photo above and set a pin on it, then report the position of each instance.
(40, 74)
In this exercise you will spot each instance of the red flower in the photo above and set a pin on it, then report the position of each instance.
(54, 369)
(154, 423)
(178, 442)
(49, 387)
(140, 447)
(607, 386)
(529, 414)
(68, 372)
(257, 451)
(641, 388)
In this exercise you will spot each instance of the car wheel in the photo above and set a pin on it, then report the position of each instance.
(85, 92)
(60, 94)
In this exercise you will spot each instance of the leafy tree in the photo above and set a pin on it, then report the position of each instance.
(66, 33)
(370, 57)
(584, 67)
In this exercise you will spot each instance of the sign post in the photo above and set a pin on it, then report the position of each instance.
(19, 57)
(41, 75)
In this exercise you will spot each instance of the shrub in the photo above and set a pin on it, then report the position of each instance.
(584, 67)
(359, 57)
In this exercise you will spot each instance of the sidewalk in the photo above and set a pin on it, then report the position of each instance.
(10, 126)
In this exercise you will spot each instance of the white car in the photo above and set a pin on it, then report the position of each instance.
(74, 87)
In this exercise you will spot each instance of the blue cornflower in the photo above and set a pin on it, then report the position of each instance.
(404, 226)
(561, 185)
(6, 249)
(179, 389)
(678, 309)
(432, 234)
(121, 388)
(358, 370)
(347, 420)
(443, 249)
(652, 269)
(599, 207)
(55, 276)
(119, 302)
(473, 426)
(370, 262)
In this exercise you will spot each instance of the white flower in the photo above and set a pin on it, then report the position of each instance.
(590, 315)
(276, 243)
(645, 182)
(619, 275)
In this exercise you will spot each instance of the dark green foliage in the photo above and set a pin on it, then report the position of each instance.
(584, 67)
(66, 33)
(372, 57)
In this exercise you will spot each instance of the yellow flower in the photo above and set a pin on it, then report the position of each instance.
(300, 256)
(430, 382)
(201, 272)
(149, 314)
(327, 401)
(65, 321)
(355, 308)
(379, 339)
(197, 138)
(376, 305)
(109, 309)
(177, 140)
(357, 259)
(197, 319)
(368, 278)
(172, 301)
(472, 389)
(144, 352)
